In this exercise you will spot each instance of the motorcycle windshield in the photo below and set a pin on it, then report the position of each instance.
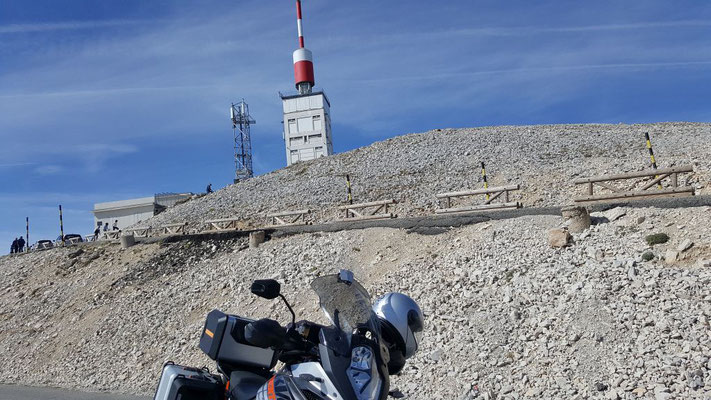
(356, 361)
(346, 304)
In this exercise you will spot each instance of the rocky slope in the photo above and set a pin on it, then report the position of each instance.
(507, 316)
(543, 159)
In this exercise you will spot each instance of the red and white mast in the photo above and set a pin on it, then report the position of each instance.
(303, 59)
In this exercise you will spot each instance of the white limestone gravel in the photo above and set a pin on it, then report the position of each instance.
(543, 159)
(507, 316)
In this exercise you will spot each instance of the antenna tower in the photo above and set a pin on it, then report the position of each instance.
(241, 120)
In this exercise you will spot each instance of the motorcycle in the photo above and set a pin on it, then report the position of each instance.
(348, 360)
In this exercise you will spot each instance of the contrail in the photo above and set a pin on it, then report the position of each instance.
(68, 25)
(551, 68)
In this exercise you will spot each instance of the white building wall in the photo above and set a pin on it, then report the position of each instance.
(133, 211)
(125, 216)
(307, 127)
(169, 199)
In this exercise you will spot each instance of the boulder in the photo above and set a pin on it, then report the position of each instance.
(577, 218)
(558, 237)
(685, 245)
(256, 238)
(671, 256)
(614, 214)
(127, 241)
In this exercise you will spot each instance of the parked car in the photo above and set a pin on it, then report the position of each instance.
(71, 238)
(44, 244)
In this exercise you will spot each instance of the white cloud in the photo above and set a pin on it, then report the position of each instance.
(14, 165)
(48, 169)
(68, 25)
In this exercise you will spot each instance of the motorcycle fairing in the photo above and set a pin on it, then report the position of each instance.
(279, 387)
(312, 377)
(307, 381)
(335, 351)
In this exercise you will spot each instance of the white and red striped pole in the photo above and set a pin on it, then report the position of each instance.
(303, 59)
(299, 27)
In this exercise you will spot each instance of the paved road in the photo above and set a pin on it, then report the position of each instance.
(12, 392)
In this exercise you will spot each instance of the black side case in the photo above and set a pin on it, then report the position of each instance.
(223, 340)
(178, 382)
(192, 388)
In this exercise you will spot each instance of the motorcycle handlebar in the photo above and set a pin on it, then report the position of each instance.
(265, 333)
(299, 337)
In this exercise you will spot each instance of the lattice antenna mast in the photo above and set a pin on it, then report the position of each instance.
(241, 120)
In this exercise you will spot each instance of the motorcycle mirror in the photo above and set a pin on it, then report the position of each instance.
(266, 288)
(345, 276)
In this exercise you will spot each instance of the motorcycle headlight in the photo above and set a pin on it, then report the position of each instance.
(361, 373)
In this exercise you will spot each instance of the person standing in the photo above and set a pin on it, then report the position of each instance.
(13, 248)
(20, 244)
(208, 189)
(106, 227)
(116, 228)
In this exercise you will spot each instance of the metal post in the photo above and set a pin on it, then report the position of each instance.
(61, 224)
(348, 186)
(483, 175)
(27, 228)
(651, 156)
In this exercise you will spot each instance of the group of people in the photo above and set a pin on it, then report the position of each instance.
(97, 231)
(18, 245)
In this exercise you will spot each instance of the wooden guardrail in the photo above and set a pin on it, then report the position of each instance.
(288, 218)
(108, 235)
(140, 231)
(657, 176)
(357, 212)
(173, 229)
(224, 224)
(493, 192)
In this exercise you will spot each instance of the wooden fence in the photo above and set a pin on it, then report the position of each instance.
(501, 193)
(288, 218)
(371, 210)
(633, 191)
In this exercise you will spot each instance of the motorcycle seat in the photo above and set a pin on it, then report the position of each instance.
(244, 384)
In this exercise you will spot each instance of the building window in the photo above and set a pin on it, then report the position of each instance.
(317, 122)
(292, 126)
(305, 124)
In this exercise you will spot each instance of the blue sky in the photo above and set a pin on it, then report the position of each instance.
(103, 100)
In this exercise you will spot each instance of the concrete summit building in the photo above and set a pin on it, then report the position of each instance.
(307, 126)
(132, 211)
(307, 116)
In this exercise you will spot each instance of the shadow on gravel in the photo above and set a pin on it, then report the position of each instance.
(12, 392)
(176, 257)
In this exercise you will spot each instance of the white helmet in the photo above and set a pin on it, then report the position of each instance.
(401, 320)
